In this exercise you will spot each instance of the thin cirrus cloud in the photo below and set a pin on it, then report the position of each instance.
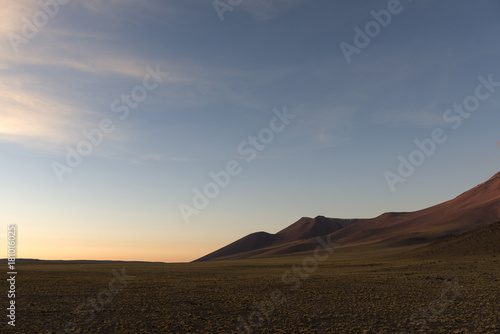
(36, 113)
(78, 55)
(36, 120)
(28, 117)
(13, 14)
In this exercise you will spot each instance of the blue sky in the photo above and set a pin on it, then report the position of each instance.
(351, 120)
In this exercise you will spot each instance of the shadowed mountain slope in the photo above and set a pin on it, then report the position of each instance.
(482, 241)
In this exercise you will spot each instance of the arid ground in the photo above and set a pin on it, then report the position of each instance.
(347, 291)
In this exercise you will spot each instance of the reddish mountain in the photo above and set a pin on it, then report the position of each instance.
(291, 237)
(471, 210)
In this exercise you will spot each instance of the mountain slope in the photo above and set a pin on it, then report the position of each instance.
(471, 210)
(482, 241)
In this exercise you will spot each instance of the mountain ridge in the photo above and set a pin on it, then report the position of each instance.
(472, 209)
(302, 230)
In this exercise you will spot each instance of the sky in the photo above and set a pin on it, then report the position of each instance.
(163, 130)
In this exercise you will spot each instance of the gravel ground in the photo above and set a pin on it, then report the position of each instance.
(288, 295)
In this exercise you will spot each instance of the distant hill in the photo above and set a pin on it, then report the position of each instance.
(79, 261)
(469, 211)
(21, 260)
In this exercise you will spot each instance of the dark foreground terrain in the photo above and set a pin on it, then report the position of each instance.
(345, 291)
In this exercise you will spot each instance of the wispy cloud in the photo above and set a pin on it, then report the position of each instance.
(36, 120)
(13, 13)
(64, 47)
(42, 105)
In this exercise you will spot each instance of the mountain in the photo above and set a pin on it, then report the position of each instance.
(471, 210)
(291, 239)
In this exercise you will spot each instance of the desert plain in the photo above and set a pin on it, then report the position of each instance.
(446, 287)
